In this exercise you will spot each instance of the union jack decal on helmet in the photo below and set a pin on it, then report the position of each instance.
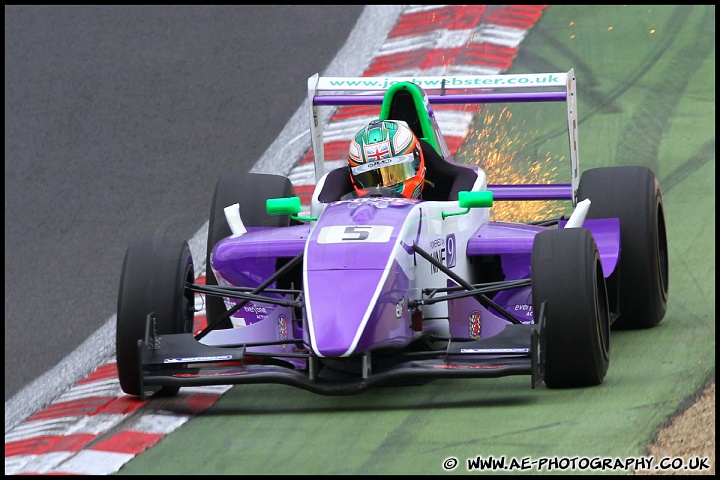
(377, 151)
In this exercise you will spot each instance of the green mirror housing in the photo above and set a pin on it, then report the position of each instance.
(468, 200)
(287, 206)
(483, 199)
(283, 206)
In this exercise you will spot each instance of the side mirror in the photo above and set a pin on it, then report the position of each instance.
(283, 206)
(287, 206)
(468, 200)
(483, 199)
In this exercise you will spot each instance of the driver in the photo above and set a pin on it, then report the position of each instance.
(385, 158)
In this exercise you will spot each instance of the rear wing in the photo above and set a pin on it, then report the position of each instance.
(438, 90)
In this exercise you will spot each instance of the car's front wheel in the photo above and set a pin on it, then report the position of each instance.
(154, 277)
(569, 287)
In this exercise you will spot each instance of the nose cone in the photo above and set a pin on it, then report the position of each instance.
(338, 311)
(350, 267)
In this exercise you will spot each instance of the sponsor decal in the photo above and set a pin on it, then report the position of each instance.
(444, 251)
(380, 202)
(465, 81)
(215, 374)
(475, 324)
(282, 327)
(255, 309)
(197, 359)
(494, 350)
(450, 250)
(437, 251)
(471, 367)
(524, 308)
(400, 308)
(383, 162)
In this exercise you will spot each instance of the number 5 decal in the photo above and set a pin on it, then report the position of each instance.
(355, 233)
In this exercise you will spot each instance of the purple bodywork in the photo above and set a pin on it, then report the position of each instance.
(356, 295)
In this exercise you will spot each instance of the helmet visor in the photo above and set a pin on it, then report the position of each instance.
(386, 171)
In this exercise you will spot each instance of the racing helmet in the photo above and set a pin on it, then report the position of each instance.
(385, 156)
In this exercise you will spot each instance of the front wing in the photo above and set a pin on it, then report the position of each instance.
(179, 360)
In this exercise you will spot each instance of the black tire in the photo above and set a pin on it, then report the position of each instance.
(250, 191)
(633, 195)
(567, 276)
(154, 274)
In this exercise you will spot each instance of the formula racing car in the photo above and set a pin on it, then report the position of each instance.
(344, 294)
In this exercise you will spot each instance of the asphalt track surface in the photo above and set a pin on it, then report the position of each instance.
(119, 121)
(399, 430)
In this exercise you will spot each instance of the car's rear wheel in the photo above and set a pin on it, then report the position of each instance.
(633, 195)
(250, 191)
(567, 277)
(154, 277)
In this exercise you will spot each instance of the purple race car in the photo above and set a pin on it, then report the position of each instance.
(348, 294)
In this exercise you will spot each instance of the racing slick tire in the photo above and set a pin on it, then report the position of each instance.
(154, 275)
(250, 191)
(633, 195)
(567, 276)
